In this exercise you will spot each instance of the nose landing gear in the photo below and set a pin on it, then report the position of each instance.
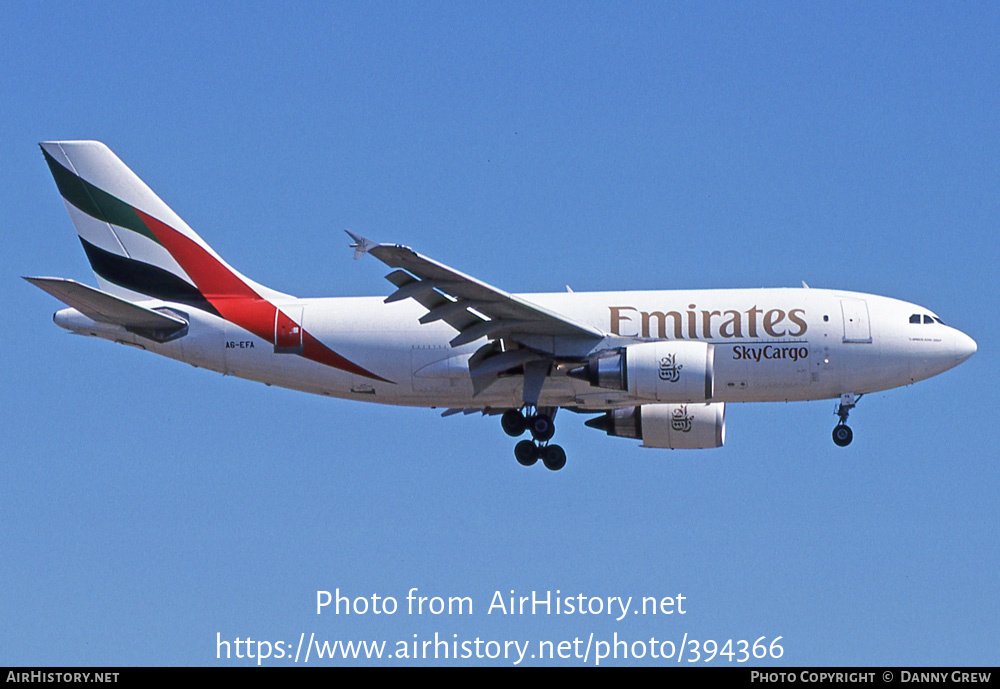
(842, 433)
(540, 423)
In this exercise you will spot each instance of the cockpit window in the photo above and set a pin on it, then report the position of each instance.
(928, 319)
(915, 318)
(918, 318)
(938, 320)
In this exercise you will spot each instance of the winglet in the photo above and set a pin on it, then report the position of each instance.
(362, 245)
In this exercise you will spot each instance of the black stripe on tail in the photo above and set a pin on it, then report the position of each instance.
(144, 278)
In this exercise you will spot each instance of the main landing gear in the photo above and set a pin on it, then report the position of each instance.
(842, 433)
(540, 423)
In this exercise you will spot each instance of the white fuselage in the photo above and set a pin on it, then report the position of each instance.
(770, 345)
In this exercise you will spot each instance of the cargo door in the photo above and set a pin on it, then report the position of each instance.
(856, 325)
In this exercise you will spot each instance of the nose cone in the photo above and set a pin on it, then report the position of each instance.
(964, 346)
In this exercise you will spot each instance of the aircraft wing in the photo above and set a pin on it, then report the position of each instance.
(474, 308)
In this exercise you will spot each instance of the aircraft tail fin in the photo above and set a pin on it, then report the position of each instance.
(137, 246)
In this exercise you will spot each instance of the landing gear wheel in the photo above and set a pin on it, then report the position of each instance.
(553, 457)
(541, 427)
(842, 435)
(526, 453)
(513, 423)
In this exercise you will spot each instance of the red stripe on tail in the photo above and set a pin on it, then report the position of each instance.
(235, 300)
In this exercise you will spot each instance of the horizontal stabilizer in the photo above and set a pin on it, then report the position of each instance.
(107, 308)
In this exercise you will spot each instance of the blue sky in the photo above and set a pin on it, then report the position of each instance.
(146, 506)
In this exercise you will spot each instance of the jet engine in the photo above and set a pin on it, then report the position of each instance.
(674, 426)
(663, 371)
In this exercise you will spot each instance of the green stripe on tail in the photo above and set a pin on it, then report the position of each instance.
(95, 202)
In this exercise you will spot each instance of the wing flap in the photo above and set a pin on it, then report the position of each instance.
(432, 300)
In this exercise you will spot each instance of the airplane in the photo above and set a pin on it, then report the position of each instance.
(655, 366)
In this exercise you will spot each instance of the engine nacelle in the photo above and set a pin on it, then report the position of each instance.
(674, 426)
(662, 371)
